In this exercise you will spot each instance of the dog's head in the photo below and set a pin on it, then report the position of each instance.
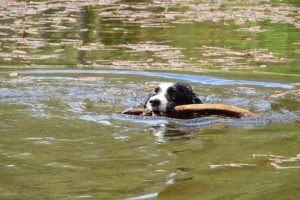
(168, 95)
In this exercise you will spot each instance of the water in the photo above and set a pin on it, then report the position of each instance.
(68, 68)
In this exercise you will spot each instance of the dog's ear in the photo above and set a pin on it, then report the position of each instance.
(187, 90)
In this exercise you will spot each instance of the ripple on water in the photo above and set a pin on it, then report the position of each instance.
(94, 96)
(64, 166)
(18, 155)
(101, 119)
(144, 197)
(184, 77)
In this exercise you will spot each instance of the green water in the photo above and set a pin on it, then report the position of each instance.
(67, 69)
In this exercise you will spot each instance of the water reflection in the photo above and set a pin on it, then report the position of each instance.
(148, 35)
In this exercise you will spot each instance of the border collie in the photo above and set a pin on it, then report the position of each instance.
(168, 95)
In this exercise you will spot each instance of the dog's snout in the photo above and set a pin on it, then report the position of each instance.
(155, 102)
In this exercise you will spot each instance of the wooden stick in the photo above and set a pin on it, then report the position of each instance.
(211, 109)
(143, 112)
(198, 110)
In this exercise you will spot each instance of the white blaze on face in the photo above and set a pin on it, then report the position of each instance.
(161, 96)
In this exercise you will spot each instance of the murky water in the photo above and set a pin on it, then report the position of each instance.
(62, 134)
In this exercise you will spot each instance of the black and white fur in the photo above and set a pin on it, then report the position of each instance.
(168, 95)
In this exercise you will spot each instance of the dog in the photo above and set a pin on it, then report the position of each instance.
(166, 96)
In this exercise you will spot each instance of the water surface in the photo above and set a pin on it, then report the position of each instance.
(68, 68)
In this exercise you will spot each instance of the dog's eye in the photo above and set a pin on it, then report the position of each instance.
(157, 90)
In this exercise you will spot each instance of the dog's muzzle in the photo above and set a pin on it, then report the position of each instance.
(155, 105)
(155, 102)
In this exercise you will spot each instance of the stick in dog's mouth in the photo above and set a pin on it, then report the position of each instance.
(198, 110)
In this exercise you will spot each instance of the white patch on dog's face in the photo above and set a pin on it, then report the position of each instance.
(160, 96)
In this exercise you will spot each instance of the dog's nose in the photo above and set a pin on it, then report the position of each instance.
(155, 102)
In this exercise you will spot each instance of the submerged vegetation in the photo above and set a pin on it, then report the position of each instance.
(193, 35)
